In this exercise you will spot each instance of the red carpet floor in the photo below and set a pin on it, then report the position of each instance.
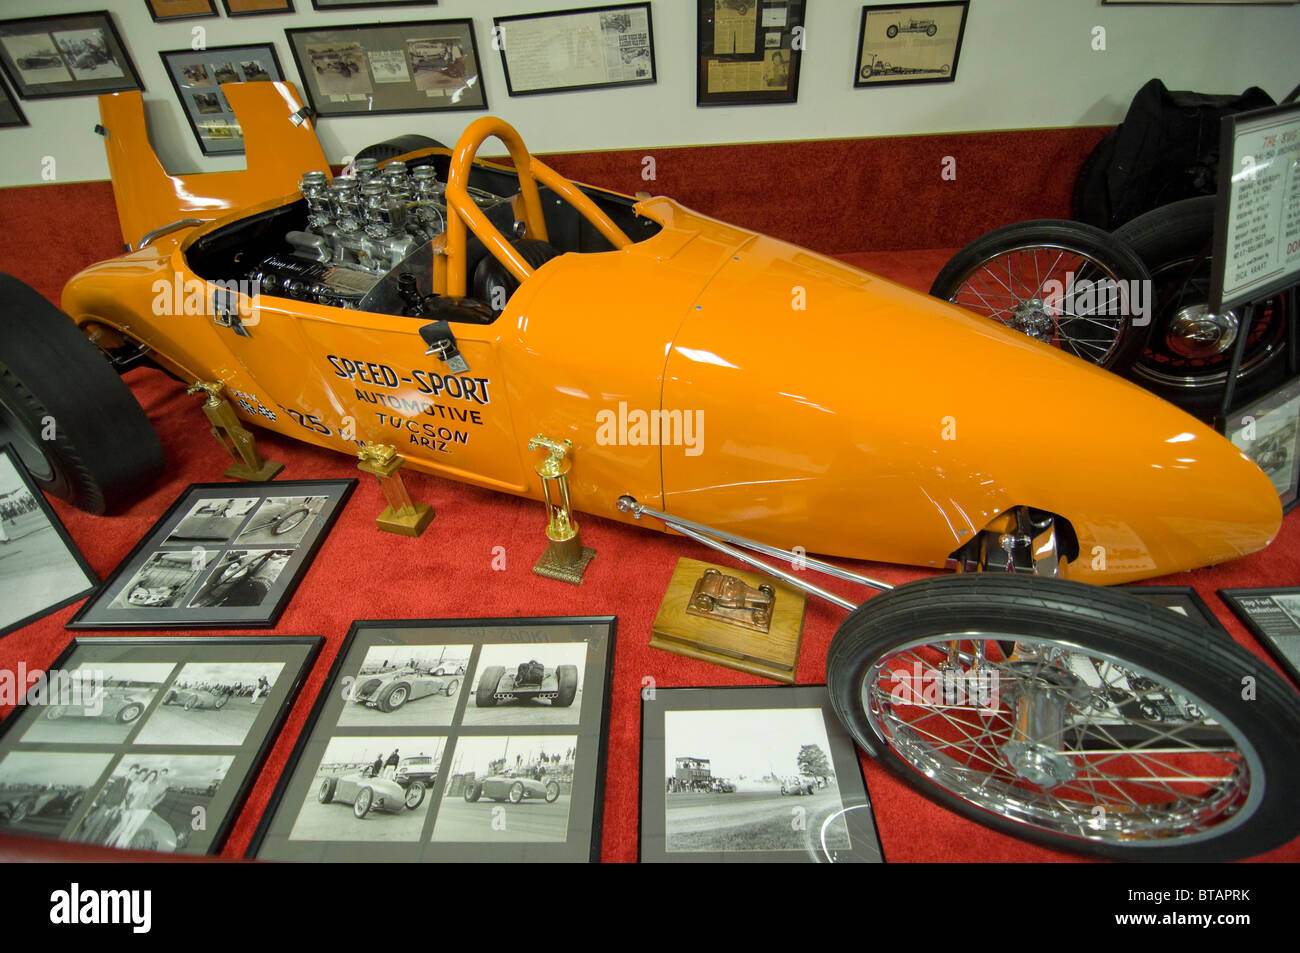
(362, 573)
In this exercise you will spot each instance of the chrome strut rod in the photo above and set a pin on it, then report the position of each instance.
(713, 538)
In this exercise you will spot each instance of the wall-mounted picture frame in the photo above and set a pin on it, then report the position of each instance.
(910, 43)
(75, 54)
(11, 113)
(588, 48)
(361, 4)
(41, 569)
(1273, 617)
(198, 75)
(227, 555)
(1184, 600)
(751, 775)
(256, 8)
(380, 68)
(451, 740)
(748, 53)
(147, 743)
(1268, 431)
(163, 10)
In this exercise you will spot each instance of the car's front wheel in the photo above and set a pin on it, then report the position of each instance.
(72, 421)
(414, 795)
(130, 713)
(516, 792)
(552, 791)
(993, 695)
(365, 800)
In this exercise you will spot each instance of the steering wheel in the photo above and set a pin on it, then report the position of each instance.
(449, 276)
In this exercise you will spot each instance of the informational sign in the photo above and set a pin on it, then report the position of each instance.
(1257, 226)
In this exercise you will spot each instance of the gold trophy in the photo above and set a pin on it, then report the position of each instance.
(400, 516)
(565, 557)
(231, 434)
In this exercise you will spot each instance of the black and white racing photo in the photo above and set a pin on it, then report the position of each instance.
(40, 569)
(166, 579)
(210, 703)
(406, 685)
(504, 789)
(528, 683)
(37, 58)
(212, 520)
(87, 54)
(281, 520)
(99, 703)
(154, 802)
(374, 788)
(41, 791)
(242, 577)
(339, 68)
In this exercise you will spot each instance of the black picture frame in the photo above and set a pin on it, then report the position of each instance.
(616, 18)
(327, 5)
(762, 66)
(365, 95)
(354, 719)
(212, 729)
(47, 538)
(1268, 431)
(874, 34)
(191, 14)
(211, 60)
(21, 42)
(185, 558)
(711, 718)
(256, 8)
(1184, 600)
(1272, 614)
(11, 113)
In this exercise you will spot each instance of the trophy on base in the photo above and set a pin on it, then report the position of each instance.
(401, 515)
(565, 557)
(232, 435)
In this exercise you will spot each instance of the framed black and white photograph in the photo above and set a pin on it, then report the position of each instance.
(10, 112)
(748, 52)
(197, 77)
(41, 569)
(1273, 616)
(751, 775)
(366, 4)
(224, 555)
(162, 10)
(377, 68)
(147, 743)
(75, 54)
(590, 48)
(1268, 431)
(451, 740)
(910, 43)
(1184, 600)
(253, 8)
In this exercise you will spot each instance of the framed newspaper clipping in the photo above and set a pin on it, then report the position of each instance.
(591, 48)
(748, 52)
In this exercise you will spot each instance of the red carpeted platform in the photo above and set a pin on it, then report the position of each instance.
(46, 234)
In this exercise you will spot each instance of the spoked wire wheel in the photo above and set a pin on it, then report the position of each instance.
(1063, 283)
(1074, 716)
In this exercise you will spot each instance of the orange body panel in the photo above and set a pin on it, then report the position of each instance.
(829, 409)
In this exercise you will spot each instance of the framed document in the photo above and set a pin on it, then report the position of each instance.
(748, 52)
(355, 4)
(910, 43)
(451, 740)
(76, 54)
(1268, 431)
(198, 76)
(162, 10)
(756, 775)
(372, 69)
(589, 48)
(41, 569)
(224, 555)
(251, 8)
(1273, 617)
(147, 743)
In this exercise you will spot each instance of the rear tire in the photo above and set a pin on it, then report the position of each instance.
(485, 697)
(567, 677)
(104, 453)
(399, 146)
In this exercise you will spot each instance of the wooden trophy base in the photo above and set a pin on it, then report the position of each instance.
(406, 524)
(773, 654)
(242, 471)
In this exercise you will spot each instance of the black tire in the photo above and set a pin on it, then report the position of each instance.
(1170, 240)
(385, 701)
(398, 146)
(552, 791)
(931, 30)
(1108, 624)
(474, 791)
(326, 793)
(291, 522)
(516, 793)
(451, 688)
(891, 31)
(962, 282)
(494, 284)
(130, 713)
(567, 678)
(104, 454)
(485, 697)
(414, 795)
(365, 800)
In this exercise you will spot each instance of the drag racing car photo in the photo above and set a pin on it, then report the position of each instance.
(457, 308)
(530, 681)
(369, 792)
(197, 698)
(389, 691)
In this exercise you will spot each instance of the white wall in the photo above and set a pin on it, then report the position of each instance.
(1024, 64)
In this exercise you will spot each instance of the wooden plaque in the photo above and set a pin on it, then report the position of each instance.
(773, 654)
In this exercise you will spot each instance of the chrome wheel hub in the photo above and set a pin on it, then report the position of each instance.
(1195, 332)
(1033, 317)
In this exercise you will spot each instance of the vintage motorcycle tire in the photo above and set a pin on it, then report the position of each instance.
(1052, 233)
(398, 146)
(1168, 239)
(1195, 658)
(105, 453)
